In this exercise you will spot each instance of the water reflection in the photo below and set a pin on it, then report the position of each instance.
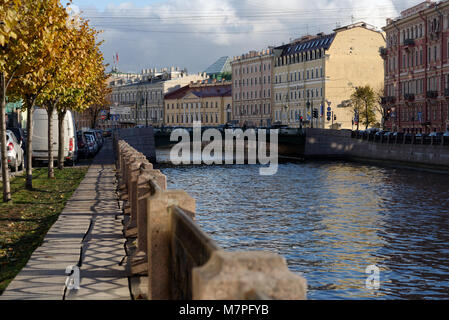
(331, 220)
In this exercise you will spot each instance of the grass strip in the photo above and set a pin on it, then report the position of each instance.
(25, 220)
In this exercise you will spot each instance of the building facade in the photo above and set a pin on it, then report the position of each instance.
(145, 99)
(252, 88)
(321, 72)
(208, 102)
(416, 62)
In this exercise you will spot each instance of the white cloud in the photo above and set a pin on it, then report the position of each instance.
(195, 33)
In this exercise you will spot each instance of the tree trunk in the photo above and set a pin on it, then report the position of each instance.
(51, 171)
(29, 104)
(4, 164)
(61, 116)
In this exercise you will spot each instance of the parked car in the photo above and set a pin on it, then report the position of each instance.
(91, 143)
(399, 136)
(436, 136)
(83, 148)
(20, 135)
(107, 132)
(419, 137)
(40, 137)
(14, 152)
(380, 133)
(97, 137)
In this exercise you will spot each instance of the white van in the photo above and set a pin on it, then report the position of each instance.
(40, 137)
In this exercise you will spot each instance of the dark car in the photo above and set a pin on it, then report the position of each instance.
(419, 137)
(99, 136)
(107, 132)
(96, 135)
(83, 147)
(398, 136)
(91, 143)
(436, 137)
(20, 135)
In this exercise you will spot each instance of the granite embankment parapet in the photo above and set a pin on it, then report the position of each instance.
(173, 258)
(342, 144)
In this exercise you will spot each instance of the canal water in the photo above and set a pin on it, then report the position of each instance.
(331, 220)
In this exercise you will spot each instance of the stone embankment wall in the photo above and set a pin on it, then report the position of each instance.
(338, 144)
(141, 139)
(175, 256)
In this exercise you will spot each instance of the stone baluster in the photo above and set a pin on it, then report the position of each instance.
(247, 275)
(159, 257)
(148, 183)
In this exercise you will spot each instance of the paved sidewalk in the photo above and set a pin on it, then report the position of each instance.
(87, 234)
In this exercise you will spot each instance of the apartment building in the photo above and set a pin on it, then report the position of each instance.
(416, 62)
(208, 102)
(252, 88)
(145, 98)
(321, 72)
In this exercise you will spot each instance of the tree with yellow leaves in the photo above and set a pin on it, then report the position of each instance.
(87, 69)
(32, 57)
(8, 21)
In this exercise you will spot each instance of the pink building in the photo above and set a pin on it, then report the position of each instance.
(416, 64)
(252, 88)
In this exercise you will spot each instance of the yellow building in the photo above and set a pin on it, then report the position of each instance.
(321, 72)
(210, 103)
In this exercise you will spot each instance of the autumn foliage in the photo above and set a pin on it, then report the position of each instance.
(50, 59)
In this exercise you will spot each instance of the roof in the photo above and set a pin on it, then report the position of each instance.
(223, 64)
(202, 91)
(318, 42)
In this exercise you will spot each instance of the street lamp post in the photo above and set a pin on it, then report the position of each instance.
(286, 114)
(308, 108)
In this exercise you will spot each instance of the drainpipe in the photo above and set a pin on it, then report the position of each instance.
(426, 61)
(399, 76)
(441, 60)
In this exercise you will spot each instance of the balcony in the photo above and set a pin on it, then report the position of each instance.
(388, 100)
(409, 97)
(409, 42)
(431, 94)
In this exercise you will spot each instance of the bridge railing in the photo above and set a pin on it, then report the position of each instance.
(179, 258)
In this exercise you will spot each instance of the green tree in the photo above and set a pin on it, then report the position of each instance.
(363, 101)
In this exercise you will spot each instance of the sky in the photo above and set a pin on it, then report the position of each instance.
(193, 34)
